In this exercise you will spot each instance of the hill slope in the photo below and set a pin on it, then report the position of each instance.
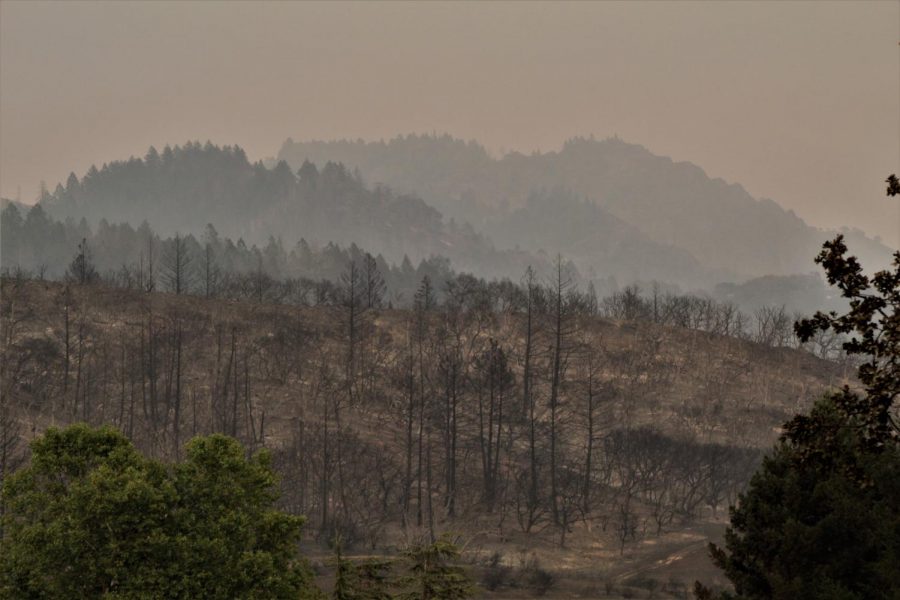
(387, 423)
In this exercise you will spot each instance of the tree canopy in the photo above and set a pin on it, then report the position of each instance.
(806, 527)
(91, 517)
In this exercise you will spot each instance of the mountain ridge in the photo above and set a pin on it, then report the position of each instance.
(733, 234)
(621, 214)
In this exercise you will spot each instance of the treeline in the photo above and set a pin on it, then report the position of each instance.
(771, 326)
(37, 245)
(538, 416)
(215, 266)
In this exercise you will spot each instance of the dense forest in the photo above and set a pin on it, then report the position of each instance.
(120, 256)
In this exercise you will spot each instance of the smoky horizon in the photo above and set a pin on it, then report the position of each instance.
(794, 102)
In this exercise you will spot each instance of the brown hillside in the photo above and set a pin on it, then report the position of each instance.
(390, 424)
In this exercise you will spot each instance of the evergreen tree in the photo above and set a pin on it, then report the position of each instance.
(821, 518)
(433, 574)
(82, 269)
(425, 298)
(367, 580)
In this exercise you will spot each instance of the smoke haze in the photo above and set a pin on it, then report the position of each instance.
(795, 101)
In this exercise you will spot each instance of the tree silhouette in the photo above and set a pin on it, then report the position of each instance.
(821, 518)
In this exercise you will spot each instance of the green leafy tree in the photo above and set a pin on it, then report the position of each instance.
(90, 517)
(86, 519)
(231, 542)
(821, 518)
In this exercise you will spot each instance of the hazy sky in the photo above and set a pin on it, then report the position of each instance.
(797, 102)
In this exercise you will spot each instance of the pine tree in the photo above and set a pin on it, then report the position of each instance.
(367, 580)
(433, 574)
(82, 269)
(425, 299)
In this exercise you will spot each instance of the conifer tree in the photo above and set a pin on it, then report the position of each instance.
(433, 574)
(821, 518)
(82, 268)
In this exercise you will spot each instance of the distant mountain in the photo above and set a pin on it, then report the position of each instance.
(600, 244)
(618, 212)
(732, 235)
(793, 292)
(185, 187)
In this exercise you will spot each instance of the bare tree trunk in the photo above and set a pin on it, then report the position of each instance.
(78, 369)
(554, 387)
(66, 308)
(325, 483)
(589, 445)
(248, 405)
(237, 388)
(428, 487)
(123, 371)
(176, 427)
(451, 437)
(410, 419)
(151, 370)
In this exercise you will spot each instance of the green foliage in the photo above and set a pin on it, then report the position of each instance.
(821, 518)
(804, 529)
(873, 324)
(91, 517)
(432, 574)
(367, 580)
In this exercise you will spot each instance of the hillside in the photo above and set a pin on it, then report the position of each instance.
(388, 422)
(732, 235)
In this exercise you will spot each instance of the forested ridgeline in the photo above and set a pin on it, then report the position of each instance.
(665, 214)
(36, 245)
(543, 420)
(183, 188)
